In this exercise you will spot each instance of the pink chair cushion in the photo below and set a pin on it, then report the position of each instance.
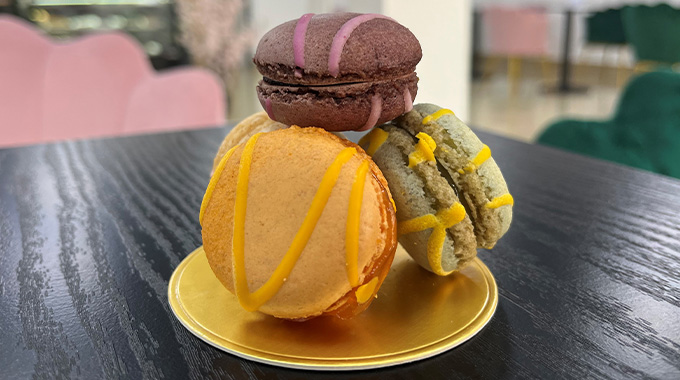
(176, 91)
(515, 31)
(99, 85)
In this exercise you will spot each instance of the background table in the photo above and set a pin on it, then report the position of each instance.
(91, 231)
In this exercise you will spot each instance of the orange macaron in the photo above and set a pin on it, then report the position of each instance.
(299, 223)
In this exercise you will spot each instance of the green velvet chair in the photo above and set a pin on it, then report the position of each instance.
(605, 27)
(653, 32)
(644, 132)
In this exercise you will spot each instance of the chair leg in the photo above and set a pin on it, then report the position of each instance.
(603, 66)
(514, 72)
(620, 70)
(545, 69)
(586, 51)
(490, 66)
(639, 67)
(620, 76)
(644, 66)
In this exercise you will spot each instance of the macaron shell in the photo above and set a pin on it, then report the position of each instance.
(457, 145)
(256, 123)
(419, 191)
(253, 124)
(377, 49)
(284, 178)
(339, 108)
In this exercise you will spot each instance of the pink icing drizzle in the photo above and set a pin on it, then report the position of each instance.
(299, 42)
(268, 108)
(341, 37)
(408, 101)
(376, 110)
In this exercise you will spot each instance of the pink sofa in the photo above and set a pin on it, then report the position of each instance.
(516, 31)
(98, 85)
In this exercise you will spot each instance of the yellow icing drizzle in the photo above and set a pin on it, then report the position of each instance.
(375, 139)
(356, 197)
(505, 199)
(365, 291)
(437, 115)
(213, 182)
(439, 223)
(253, 301)
(479, 159)
(482, 156)
(424, 150)
(435, 245)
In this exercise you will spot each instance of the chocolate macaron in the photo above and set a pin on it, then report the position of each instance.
(339, 71)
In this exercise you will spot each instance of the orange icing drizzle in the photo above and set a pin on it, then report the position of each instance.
(424, 150)
(213, 182)
(479, 159)
(365, 291)
(356, 197)
(439, 223)
(375, 139)
(437, 115)
(505, 199)
(253, 301)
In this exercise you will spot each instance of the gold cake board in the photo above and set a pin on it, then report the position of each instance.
(416, 315)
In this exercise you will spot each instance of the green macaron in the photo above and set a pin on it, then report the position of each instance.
(450, 195)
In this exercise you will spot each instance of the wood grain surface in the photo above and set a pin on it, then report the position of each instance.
(90, 232)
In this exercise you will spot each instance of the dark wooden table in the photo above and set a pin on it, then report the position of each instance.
(90, 232)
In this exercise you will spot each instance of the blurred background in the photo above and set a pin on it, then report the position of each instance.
(583, 75)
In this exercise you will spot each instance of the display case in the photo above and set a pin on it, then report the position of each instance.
(152, 22)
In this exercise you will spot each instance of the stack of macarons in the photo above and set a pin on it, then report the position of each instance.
(299, 222)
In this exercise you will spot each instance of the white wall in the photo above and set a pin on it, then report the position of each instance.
(444, 29)
(266, 14)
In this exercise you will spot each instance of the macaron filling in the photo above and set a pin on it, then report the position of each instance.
(470, 168)
(446, 174)
(349, 106)
(424, 190)
(450, 194)
(279, 91)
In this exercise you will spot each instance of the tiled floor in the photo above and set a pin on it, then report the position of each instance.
(524, 115)
(493, 108)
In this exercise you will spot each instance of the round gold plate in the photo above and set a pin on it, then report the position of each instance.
(416, 315)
